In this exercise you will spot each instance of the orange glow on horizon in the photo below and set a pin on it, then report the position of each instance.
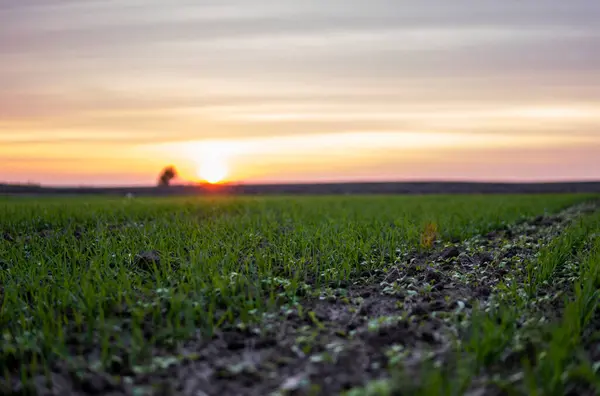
(65, 156)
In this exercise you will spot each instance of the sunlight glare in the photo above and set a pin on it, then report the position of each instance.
(213, 170)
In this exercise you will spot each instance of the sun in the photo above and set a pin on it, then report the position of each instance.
(213, 170)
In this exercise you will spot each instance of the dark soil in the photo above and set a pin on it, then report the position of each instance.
(338, 339)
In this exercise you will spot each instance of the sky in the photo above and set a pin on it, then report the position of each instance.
(109, 92)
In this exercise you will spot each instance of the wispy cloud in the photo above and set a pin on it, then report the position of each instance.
(113, 76)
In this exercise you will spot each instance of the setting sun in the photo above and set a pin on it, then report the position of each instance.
(213, 170)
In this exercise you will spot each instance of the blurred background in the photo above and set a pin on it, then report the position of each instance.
(109, 92)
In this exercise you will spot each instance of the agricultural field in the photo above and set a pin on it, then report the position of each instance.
(355, 295)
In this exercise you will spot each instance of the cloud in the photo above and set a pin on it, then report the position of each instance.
(240, 48)
(133, 72)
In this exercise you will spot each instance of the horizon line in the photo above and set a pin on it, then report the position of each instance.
(301, 183)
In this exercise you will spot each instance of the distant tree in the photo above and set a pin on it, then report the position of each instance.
(166, 176)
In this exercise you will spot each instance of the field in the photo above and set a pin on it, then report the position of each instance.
(362, 295)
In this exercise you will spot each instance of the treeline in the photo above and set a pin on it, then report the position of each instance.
(321, 188)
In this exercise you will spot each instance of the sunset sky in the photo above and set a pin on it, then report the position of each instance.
(109, 92)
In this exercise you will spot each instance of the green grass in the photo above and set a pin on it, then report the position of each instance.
(68, 266)
(552, 354)
(553, 256)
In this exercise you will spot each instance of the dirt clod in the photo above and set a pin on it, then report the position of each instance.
(146, 260)
(484, 257)
(449, 253)
(96, 384)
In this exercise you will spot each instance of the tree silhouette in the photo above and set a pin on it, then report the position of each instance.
(167, 174)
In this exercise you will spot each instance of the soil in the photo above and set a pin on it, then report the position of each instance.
(339, 339)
